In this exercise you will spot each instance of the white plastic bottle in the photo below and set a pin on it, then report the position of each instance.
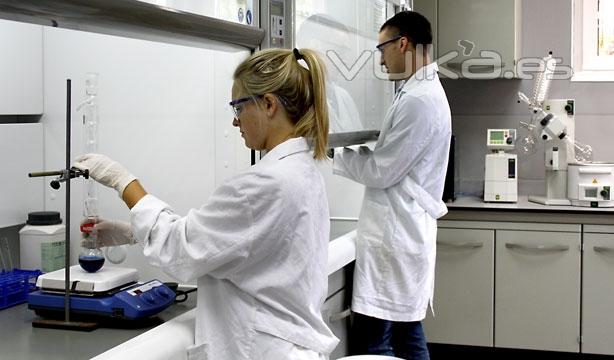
(41, 242)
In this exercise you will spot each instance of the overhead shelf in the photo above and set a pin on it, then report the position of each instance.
(130, 18)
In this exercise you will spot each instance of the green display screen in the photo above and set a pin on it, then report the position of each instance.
(496, 135)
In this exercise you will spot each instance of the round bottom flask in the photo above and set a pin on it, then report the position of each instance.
(91, 260)
(91, 257)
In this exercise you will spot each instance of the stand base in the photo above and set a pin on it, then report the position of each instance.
(548, 201)
(64, 325)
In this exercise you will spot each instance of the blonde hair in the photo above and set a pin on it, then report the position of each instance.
(302, 91)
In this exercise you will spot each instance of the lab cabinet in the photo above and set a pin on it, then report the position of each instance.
(336, 311)
(21, 68)
(476, 39)
(21, 152)
(336, 315)
(464, 288)
(598, 290)
(537, 292)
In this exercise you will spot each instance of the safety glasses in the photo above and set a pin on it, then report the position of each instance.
(238, 104)
(381, 46)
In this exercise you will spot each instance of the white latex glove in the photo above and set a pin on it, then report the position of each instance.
(106, 171)
(110, 233)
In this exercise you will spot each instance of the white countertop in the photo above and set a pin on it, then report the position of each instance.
(171, 339)
(523, 204)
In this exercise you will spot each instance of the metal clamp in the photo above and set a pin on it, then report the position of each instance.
(538, 248)
(63, 175)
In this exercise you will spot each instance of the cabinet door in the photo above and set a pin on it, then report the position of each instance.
(463, 301)
(336, 314)
(537, 290)
(598, 294)
(21, 68)
(471, 26)
(21, 152)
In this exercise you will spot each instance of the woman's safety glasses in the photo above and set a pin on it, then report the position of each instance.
(238, 104)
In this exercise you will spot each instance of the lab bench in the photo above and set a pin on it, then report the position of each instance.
(524, 276)
(19, 340)
(471, 208)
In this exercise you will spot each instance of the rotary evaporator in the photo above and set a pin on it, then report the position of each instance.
(571, 177)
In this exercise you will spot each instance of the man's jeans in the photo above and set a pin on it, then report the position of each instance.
(382, 337)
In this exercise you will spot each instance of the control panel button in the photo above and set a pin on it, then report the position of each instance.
(148, 297)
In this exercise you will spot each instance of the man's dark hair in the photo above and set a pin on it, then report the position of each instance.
(412, 25)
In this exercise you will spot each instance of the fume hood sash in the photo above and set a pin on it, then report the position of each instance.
(130, 18)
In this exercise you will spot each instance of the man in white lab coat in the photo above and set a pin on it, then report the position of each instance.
(404, 178)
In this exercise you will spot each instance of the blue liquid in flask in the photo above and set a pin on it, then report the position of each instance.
(91, 263)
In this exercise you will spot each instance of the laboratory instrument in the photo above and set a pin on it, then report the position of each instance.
(557, 131)
(41, 242)
(110, 294)
(553, 122)
(93, 255)
(590, 184)
(90, 142)
(501, 167)
(65, 175)
(91, 258)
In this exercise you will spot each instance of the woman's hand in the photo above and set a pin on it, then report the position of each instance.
(109, 233)
(105, 171)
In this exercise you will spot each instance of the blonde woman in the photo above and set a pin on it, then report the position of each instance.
(259, 246)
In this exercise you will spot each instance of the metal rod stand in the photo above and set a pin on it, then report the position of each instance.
(66, 175)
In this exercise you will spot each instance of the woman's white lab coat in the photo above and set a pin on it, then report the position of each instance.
(404, 177)
(259, 250)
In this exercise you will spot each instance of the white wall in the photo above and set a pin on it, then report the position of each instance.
(478, 105)
(161, 106)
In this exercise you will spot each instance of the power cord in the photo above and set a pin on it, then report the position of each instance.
(175, 287)
(183, 293)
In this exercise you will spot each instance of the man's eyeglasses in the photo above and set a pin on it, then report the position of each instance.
(381, 46)
(238, 104)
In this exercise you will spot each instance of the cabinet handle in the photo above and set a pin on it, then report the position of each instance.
(456, 66)
(340, 315)
(461, 245)
(603, 249)
(540, 248)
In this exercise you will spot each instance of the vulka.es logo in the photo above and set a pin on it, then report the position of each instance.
(488, 65)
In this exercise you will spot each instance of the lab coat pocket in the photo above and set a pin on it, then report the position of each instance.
(373, 222)
(197, 352)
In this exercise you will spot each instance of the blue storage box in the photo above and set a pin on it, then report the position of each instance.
(15, 286)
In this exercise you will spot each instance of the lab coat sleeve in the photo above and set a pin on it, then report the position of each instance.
(404, 145)
(215, 239)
